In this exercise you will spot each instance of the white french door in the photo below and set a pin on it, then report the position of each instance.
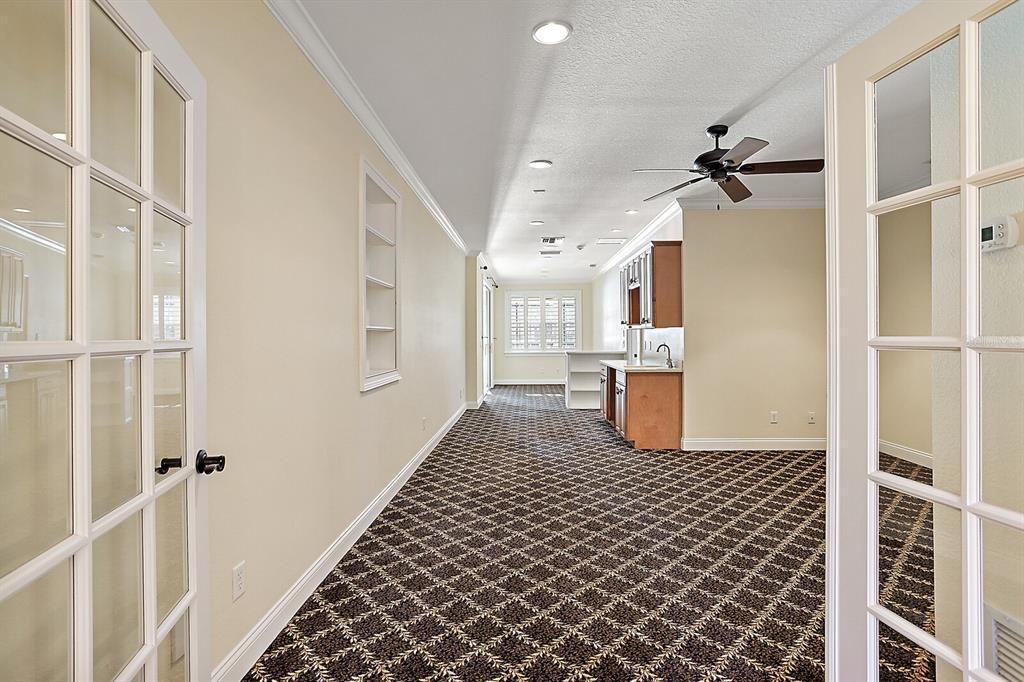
(487, 338)
(102, 345)
(925, 204)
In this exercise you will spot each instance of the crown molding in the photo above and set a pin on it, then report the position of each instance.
(637, 241)
(300, 26)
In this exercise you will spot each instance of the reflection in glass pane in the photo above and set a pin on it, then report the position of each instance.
(900, 659)
(917, 122)
(919, 563)
(35, 458)
(1002, 265)
(168, 287)
(114, 265)
(168, 142)
(1000, 86)
(34, 213)
(172, 655)
(1002, 430)
(919, 270)
(36, 627)
(169, 406)
(34, 52)
(115, 67)
(919, 416)
(116, 432)
(171, 548)
(1002, 596)
(117, 597)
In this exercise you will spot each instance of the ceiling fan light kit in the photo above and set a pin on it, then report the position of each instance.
(721, 166)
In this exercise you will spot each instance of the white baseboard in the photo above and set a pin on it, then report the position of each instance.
(753, 444)
(238, 662)
(532, 382)
(918, 457)
(471, 405)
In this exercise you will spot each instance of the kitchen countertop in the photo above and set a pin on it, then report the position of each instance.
(621, 366)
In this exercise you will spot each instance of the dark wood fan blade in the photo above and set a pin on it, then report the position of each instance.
(673, 189)
(665, 170)
(735, 188)
(801, 166)
(747, 147)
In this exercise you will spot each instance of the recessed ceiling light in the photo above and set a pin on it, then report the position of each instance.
(536, 222)
(131, 210)
(605, 241)
(616, 230)
(124, 228)
(540, 163)
(631, 211)
(21, 210)
(551, 32)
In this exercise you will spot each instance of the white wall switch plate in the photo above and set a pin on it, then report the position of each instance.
(238, 581)
(773, 417)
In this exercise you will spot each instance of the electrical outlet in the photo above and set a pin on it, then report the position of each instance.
(812, 418)
(238, 581)
(773, 417)
(423, 424)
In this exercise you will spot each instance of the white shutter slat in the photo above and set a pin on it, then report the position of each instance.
(534, 329)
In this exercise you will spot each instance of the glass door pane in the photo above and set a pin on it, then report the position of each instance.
(171, 550)
(34, 52)
(114, 265)
(34, 213)
(168, 142)
(117, 597)
(115, 82)
(168, 258)
(35, 458)
(36, 627)
(172, 655)
(116, 432)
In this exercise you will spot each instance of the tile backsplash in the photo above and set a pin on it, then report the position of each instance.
(652, 338)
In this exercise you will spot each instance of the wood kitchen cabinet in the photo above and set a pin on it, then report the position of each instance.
(651, 286)
(646, 407)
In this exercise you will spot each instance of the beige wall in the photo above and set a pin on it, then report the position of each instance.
(754, 306)
(306, 450)
(540, 367)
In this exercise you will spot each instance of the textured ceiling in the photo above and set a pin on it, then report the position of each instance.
(471, 98)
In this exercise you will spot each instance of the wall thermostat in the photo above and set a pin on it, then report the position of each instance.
(1001, 233)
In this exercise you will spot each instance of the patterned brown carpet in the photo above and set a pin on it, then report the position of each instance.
(533, 544)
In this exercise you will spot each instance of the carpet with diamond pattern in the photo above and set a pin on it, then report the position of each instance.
(534, 544)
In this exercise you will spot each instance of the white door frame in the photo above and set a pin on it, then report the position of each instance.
(853, 479)
(158, 49)
(487, 337)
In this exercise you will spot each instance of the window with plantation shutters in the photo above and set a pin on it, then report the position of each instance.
(542, 322)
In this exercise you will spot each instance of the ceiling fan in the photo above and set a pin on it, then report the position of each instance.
(721, 165)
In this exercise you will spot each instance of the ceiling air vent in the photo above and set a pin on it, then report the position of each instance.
(604, 241)
(550, 252)
(552, 241)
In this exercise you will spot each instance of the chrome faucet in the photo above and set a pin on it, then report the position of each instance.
(668, 361)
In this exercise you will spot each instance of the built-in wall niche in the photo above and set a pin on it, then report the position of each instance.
(380, 219)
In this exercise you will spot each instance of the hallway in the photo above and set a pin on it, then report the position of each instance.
(534, 544)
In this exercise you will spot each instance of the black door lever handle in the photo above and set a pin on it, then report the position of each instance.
(168, 463)
(207, 464)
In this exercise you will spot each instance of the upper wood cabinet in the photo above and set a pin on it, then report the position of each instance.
(651, 286)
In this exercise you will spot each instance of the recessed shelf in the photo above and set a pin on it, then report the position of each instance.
(371, 280)
(376, 235)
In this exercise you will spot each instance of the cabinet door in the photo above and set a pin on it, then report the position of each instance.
(604, 396)
(648, 278)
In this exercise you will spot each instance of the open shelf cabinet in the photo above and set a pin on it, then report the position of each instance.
(380, 220)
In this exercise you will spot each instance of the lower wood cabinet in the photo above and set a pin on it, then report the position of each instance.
(646, 408)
